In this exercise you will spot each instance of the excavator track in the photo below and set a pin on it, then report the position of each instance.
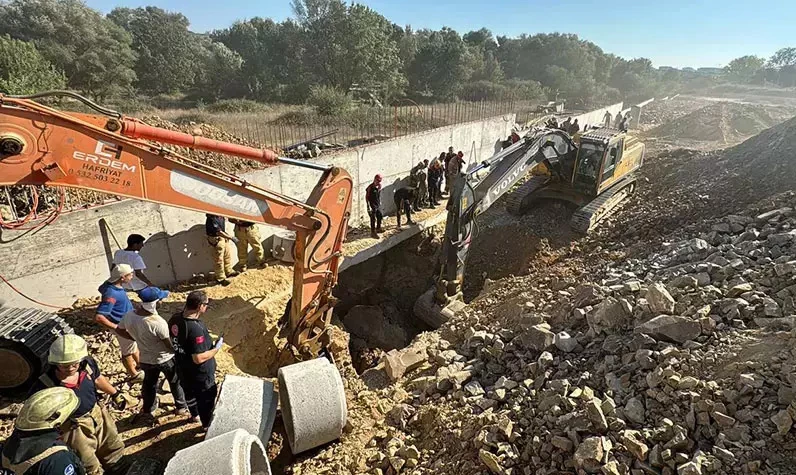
(25, 339)
(516, 199)
(587, 217)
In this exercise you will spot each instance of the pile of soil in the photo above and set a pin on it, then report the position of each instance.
(724, 122)
(684, 186)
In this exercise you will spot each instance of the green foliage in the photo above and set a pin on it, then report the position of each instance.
(329, 101)
(163, 44)
(438, 67)
(483, 91)
(92, 51)
(236, 106)
(745, 69)
(23, 70)
(218, 69)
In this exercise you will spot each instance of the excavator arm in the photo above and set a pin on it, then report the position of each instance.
(122, 156)
(473, 193)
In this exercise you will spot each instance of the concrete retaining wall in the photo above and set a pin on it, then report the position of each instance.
(597, 117)
(70, 258)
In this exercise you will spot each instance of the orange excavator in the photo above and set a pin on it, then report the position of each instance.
(118, 155)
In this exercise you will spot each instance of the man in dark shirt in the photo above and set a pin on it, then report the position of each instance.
(434, 179)
(215, 228)
(403, 198)
(195, 353)
(373, 202)
(574, 128)
(34, 447)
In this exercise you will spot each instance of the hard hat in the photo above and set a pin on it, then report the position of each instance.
(67, 349)
(47, 409)
(377, 178)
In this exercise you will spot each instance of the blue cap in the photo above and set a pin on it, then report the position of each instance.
(152, 294)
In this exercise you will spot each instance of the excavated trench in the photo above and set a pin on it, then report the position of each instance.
(377, 297)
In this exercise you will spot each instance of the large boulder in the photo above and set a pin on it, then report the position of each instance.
(659, 299)
(671, 327)
(609, 315)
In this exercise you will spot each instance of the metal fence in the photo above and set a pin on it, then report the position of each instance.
(364, 124)
(28, 207)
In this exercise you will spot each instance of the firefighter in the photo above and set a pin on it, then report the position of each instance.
(91, 431)
(404, 197)
(34, 447)
(248, 235)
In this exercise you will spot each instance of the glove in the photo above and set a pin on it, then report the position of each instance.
(119, 401)
(219, 343)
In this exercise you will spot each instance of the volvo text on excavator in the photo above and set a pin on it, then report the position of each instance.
(122, 156)
(595, 171)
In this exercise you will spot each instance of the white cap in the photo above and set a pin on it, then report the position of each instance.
(119, 271)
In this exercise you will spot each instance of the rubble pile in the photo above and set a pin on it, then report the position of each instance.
(660, 112)
(641, 372)
(724, 122)
(219, 161)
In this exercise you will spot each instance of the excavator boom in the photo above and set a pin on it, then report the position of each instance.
(123, 156)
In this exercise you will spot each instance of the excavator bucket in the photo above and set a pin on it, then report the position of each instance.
(432, 313)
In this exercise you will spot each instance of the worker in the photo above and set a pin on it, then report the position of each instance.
(151, 333)
(34, 447)
(403, 198)
(434, 180)
(552, 123)
(420, 172)
(215, 228)
(625, 123)
(442, 161)
(455, 166)
(448, 157)
(618, 121)
(91, 431)
(247, 235)
(606, 119)
(113, 305)
(373, 202)
(196, 357)
(131, 256)
(574, 128)
(565, 126)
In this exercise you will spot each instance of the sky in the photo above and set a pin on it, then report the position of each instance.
(679, 33)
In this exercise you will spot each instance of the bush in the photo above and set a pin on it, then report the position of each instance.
(329, 101)
(483, 91)
(236, 106)
(131, 105)
(23, 70)
(525, 90)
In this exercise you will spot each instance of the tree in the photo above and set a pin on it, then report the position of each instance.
(218, 71)
(349, 44)
(439, 67)
(23, 70)
(272, 55)
(92, 51)
(164, 47)
(745, 68)
(783, 62)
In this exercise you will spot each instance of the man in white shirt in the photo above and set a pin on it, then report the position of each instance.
(151, 333)
(131, 257)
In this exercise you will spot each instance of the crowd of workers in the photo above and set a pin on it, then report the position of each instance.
(425, 189)
(64, 427)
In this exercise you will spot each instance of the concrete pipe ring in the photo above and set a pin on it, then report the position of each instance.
(234, 453)
(313, 403)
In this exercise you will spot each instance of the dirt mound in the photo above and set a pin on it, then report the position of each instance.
(724, 122)
(684, 186)
(216, 160)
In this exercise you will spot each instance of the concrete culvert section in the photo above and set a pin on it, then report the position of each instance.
(233, 453)
(313, 403)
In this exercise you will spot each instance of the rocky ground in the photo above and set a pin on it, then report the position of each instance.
(662, 344)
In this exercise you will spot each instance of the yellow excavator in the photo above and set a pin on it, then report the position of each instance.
(594, 170)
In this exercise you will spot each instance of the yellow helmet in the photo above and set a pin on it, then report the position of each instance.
(67, 349)
(47, 409)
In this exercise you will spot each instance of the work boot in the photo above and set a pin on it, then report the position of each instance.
(223, 282)
(410, 222)
(242, 269)
(374, 234)
(232, 274)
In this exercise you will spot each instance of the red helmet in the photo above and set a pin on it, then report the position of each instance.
(377, 179)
